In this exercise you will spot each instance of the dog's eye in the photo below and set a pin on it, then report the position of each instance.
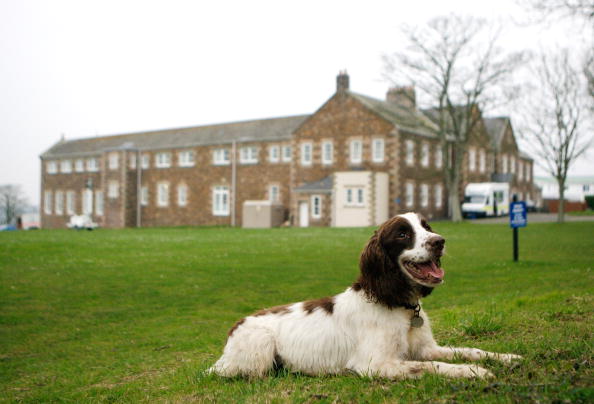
(402, 234)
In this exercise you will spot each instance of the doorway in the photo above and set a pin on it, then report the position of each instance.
(303, 214)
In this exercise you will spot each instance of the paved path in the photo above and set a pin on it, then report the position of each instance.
(535, 218)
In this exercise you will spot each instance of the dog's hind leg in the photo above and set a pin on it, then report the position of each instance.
(250, 351)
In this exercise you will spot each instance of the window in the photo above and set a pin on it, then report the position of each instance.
(273, 193)
(113, 189)
(377, 150)
(438, 195)
(512, 164)
(471, 159)
(220, 201)
(248, 155)
(182, 194)
(92, 165)
(528, 168)
(87, 199)
(66, 166)
(410, 194)
(99, 203)
(286, 154)
(356, 150)
(273, 154)
(186, 158)
(47, 202)
(113, 160)
(145, 161)
(306, 158)
(520, 170)
(410, 153)
(482, 160)
(425, 154)
(220, 157)
(163, 194)
(316, 206)
(79, 166)
(504, 164)
(163, 160)
(424, 195)
(51, 167)
(144, 196)
(70, 201)
(59, 203)
(132, 161)
(327, 152)
(438, 156)
(355, 196)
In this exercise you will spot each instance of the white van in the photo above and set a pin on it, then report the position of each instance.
(486, 199)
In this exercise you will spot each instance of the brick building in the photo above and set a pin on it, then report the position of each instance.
(354, 162)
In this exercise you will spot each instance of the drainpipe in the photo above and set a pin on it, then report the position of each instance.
(233, 181)
(138, 189)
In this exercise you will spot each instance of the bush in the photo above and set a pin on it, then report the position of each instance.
(590, 202)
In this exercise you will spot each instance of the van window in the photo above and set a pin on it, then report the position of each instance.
(474, 199)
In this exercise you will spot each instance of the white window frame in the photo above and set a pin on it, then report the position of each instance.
(163, 160)
(59, 203)
(438, 156)
(66, 166)
(248, 155)
(186, 158)
(354, 196)
(145, 161)
(316, 208)
(70, 202)
(274, 154)
(220, 201)
(482, 160)
(132, 160)
(87, 201)
(520, 171)
(471, 159)
(356, 151)
(327, 152)
(378, 150)
(144, 196)
(113, 189)
(438, 195)
(504, 164)
(286, 157)
(306, 153)
(162, 194)
(425, 154)
(182, 195)
(409, 194)
(92, 164)
(220, 157)
(424, 195)
(274, 193)
(512, 164)
(410, 152)
(51, 167)
(79, 165)
(113, 160)
(99, 203)
(47, 202)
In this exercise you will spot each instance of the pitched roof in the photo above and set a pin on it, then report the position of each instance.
(404, 118)
(324, 186)
(274, 129)
(496, 129)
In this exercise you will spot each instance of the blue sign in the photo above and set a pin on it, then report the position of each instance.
(517, 215)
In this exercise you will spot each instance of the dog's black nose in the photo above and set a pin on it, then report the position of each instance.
(436, 243)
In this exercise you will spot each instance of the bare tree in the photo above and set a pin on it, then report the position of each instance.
(562, 8)
(460, 72)
(12, 203)
(555, 115)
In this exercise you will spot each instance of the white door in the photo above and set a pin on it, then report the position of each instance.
(303, 214)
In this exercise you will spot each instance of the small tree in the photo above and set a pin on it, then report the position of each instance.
(555, 114)
(12, 203)
(455, 64)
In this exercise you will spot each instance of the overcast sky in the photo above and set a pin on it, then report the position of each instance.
(86, 68)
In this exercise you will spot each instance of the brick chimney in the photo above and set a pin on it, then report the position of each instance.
(342, 81)
(404, 96)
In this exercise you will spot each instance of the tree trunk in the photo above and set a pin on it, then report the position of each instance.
(561, 211)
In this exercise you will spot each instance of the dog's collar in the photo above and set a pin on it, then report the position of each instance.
(411, 306)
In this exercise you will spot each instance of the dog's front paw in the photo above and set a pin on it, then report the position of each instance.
(464, 371)
(508, 357)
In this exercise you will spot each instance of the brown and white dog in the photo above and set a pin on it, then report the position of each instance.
(372, 328)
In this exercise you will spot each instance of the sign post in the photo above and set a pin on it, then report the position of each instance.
(517, 218)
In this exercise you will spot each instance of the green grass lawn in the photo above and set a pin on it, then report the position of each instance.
(137, 315)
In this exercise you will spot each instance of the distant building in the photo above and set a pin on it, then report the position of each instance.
(577, 187)
(354, 162)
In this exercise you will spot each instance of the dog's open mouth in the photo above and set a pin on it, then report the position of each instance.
(426, 272)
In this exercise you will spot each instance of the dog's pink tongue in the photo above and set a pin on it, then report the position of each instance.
(432, 269)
